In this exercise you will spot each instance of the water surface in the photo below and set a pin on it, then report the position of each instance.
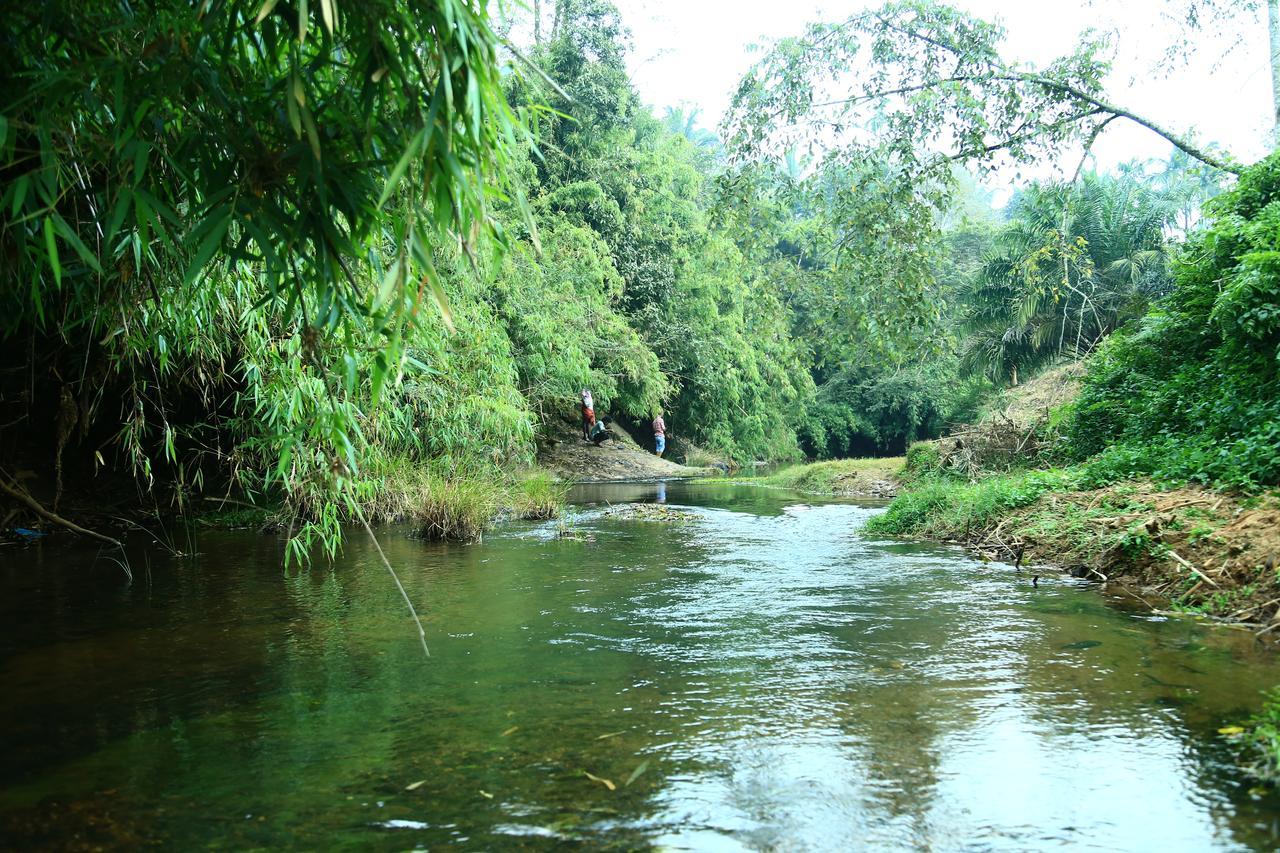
(759, 676)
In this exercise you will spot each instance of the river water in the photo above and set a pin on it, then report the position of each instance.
(758, 675)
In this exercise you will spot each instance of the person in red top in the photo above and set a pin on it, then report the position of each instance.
(659, 434)
(588, 414)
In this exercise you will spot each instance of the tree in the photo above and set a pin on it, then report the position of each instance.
(928, 83)
(249, 132)
(1273, 43)
(1074, 263)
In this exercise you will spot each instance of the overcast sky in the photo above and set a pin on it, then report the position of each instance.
(694, 52)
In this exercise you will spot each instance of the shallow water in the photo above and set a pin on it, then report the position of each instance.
(760, 676)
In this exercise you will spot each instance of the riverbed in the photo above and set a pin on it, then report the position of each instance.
(746, 672)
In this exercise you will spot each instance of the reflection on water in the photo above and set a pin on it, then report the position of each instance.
(761, 677)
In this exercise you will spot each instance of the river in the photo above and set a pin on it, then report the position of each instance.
(754, 675)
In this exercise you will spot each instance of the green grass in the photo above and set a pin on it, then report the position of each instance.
(538, 497)
(459, 507)
(943, 508)
(823, 478)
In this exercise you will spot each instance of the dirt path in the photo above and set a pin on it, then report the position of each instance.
(571, 459)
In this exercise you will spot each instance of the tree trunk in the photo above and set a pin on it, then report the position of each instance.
(1273, 26)
(537, 22)
(564, 8)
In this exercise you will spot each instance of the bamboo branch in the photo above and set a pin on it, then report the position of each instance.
(1193, 569)
(22, 496)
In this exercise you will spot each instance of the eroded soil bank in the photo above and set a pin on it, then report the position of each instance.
(1190, 549)
(571, 459)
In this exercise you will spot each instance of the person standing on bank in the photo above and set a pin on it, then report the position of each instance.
(659, 434)
(588, 414)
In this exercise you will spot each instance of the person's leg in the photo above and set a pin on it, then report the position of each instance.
(659, 443)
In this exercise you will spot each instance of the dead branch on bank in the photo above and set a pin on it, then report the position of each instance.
(20, 494)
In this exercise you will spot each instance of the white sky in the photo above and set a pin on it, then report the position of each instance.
(695, 51)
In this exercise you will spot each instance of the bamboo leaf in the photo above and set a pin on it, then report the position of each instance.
(20, 188)
(349, 363)
(402, 166)
(295, 118)
(73, 240)
(264, 10)
(441, 300)
(392, 282)
(328, 14)
(378, 376)
(123, 203)
(313, 134)
(635, 774)
(51, 246)
(211, 243)
(304, 20)
(298, 91)
(602, 781)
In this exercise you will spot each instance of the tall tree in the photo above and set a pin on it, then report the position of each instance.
(1273, 43)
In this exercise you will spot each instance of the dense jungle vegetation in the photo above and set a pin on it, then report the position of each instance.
(329, 256)
(1187, 392)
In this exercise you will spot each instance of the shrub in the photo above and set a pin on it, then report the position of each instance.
(1192, 391)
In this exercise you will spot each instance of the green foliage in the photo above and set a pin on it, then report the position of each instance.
(944, 508)
(232, 214)
(923, 458)
(868, 411)
(825, 478)
(250, 261)
(1192, 391)
(1262, 737)
(456, 508)
(152, 150)
(1073, 264)
(664, 309)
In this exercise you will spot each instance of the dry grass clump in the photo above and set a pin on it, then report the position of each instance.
(995, 446)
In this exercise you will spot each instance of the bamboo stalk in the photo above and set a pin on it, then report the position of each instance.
(1193, 569)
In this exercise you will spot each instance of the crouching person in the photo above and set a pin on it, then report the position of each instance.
(600, 432)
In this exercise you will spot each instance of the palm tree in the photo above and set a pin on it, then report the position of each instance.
(683, 121)
(1074, 263)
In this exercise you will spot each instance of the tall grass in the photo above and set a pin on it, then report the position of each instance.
(538, 496)
(459, 508)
